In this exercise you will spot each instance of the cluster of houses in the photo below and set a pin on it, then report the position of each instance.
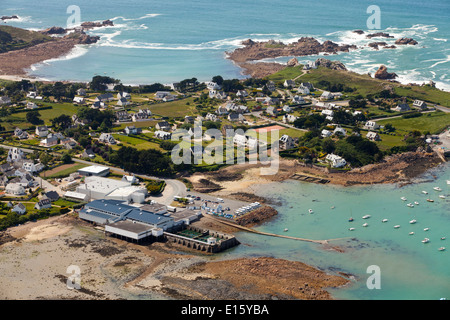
(17, 172)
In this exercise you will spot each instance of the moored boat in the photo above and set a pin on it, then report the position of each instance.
(441, 249)
(310, 211)
(411, 233)
(426, 240)
(403, 198)
(413, 221)
(351, 229)
(367, 216)
(397, 226)
(365, 225)
(384, 220)
(426, 229)
(437, 189)
(430, 200)
(424, 192)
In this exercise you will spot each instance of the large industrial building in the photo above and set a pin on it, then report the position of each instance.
(96, 187)
(99, 171)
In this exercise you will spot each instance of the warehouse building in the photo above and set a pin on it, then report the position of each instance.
(96, 188)
(99, 171)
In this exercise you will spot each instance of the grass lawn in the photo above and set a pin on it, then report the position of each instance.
(137, 143)
(287, 74)
(434, 122)
(177, 108)
(63, 171)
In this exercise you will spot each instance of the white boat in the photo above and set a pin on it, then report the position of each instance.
(437, 189)
(332, 207)
(426, 229)
(441, 249)
(403, 198)
(424, 192)
(410, 205)
(411, 233)
(384, 220)
(286, 229)
(426, 240)
(416, 203)
(442, 197)
(442, 238)
(448, 181)
(397, 226)
(351, 229)
(310, 211)
(365, 225)
(367, 216)
(430, 200)
(413, 221)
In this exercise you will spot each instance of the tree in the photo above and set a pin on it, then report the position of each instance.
(62, 122)
(33, 117)
(218, 80)
(66, 158)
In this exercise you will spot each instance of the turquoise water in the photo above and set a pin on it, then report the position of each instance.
(166, 41)
(409, 268)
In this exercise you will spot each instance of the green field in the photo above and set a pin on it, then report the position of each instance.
(137, 143)
(288, 73)
(63, 172)
(434, 122)
(177, 108)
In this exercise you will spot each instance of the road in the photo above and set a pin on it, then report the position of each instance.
(259, 115)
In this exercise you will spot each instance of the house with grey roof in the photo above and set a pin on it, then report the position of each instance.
(19, 209)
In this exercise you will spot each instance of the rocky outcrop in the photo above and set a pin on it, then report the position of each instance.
(271, 49)
(293, 62)
(383, 74)
(54, 30)
(91, 25)
(334, 65)
(3, 18)
(358, 31)
(406, 41)
(379, 35)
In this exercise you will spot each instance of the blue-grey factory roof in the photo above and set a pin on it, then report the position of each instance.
(146, 216)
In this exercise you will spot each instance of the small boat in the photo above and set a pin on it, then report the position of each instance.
(441, 249)
(351, 220)
(384, 220)
(413, 221)
(442, 238)
(448, 181)
(403, 198)
(442, 197)
(437, 189)
(365, 225)
(416, 203)
(310, 211)
(426, 240)
(367, 216)
(426, 229)
(397, 226)
(332, 207)
(351, 229)
(429, 200)
(424, 192)
(410, 205)
(286, 229)
(411, 233)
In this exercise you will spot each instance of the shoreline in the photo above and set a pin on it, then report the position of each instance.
(115, 269)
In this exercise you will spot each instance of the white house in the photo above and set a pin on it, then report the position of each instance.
(141, 115)
(298, 100)
(5, 100)
(19, 209)
(15, 189)
(107, 138)
(373, 136)
(79, 100)
(163, 135)
(328, 112)
(286, 142)
(289, 118)
(303, 90)
(287, 109)
(242, 93)
(15, 154)
(123, 102)
(131, 130)
(336, 161)
(212, 85)
(123, 94)
(419, 104)
(371, 125)
(289, 83)
(81, 92)
(31, 105)
(326, 95)
(402, 107)
(340, 131)
(41, 131)
(43, 204)
(326, 133)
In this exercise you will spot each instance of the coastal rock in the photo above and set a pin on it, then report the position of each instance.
(82, 38)
(406, 41)
(54, 30)
(358, 31)
(383, 74)
(91, 25)
(270, 49)
(293, 62)
(334, 65)
(376, 45)
(379, 35)
(9, 17)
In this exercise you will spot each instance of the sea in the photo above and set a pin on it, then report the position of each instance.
(168, 41)
(171, 40)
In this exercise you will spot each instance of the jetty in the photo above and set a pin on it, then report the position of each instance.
(323, 242)
(307, 178)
